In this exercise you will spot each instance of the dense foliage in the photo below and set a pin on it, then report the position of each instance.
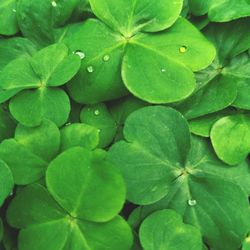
(124, 124)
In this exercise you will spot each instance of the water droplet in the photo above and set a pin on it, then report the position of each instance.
(192, 202)
(67, 124)
(183, 49)
(14, 10)
(163, 70)
(98, 130)
(90, 69)
(97, 112)
(154, 189)
(11, 193)
(53, 3)
(80, 54)
(106, 58)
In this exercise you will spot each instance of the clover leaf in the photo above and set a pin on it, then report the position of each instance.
(221, 10)
(174, 234)
(32, 83)
(226, 80)
(99, 117)
(164, 167)
(230, 138)
(8, 25)
(154, 66)
(79, 221)
(30, 152)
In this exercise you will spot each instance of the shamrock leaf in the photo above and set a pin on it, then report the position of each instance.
(6, 180)
(160, 163)
(37, 79)
(39, 21)
(155, 66)
(174, 233)
(30, 152)
(221, 10)
(230, 138)
(98, 116)
(228, 74)
(81, 222)
(8, 25)
(79, 134)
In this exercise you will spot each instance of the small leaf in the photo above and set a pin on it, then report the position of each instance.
(230, 138)
(165, 230)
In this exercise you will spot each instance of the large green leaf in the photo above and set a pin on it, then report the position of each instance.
(99, 78)
(8, 24)
(92, 181)
(29, 153)
(44, 224)
(158, 164)
(164, 230)
(230, 138)
(134, 15)
(99, 117)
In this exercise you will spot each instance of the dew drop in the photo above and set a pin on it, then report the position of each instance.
(53, 3)
(183, 49)
(154, 189)
(98, 130)
(192, 202)
(67, 124)
(163, 70)
(11, 193)
(14, 10)
(106, 58)
(90, 69)
(80, 54)
(97, 112)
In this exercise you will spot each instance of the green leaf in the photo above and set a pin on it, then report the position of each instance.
(92, 181)
(99, 117)
(81, 135)
(175, 235)
(12, 48)
(44, 224)
(43, 141)
(101, 51)
(154, 77)
(29, 153)
(147, 155)
(199, 8)
(230, 138)
(8, 25)
(246, 244)
(202, 126)
(226, 10)
(158, 164)
(38, 20)
(53, 65)
(30, 107)
(6, 180)
(134, 15)
(183, 43)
